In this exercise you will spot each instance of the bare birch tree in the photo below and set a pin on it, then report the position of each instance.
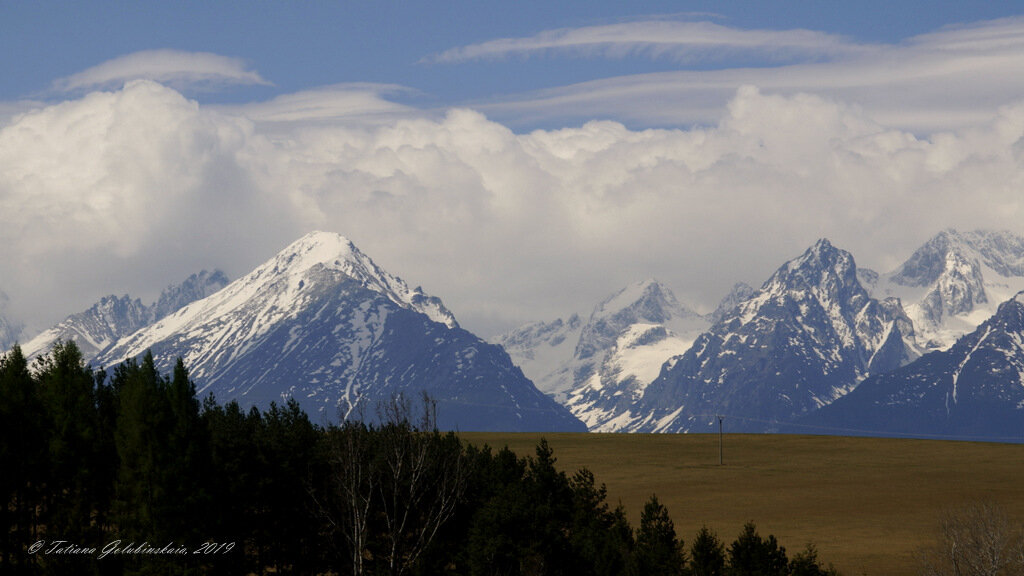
(347, 503)
(391, 487)
(976, 540)
(422, 479)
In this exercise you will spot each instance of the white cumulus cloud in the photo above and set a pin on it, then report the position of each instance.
(133, 189)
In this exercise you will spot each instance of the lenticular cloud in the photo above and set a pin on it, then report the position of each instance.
(171, 67)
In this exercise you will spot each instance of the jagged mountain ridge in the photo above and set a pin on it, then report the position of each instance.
(808, 336)
(98, 328)
(598, 368)
(973, 390)
(322, 323)
(622, 347)
(955, 281)
(740, 292)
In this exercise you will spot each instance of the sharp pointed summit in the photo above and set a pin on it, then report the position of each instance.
(322, 323)
(805, 338)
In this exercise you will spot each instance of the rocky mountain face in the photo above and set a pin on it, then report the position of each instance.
(322, 323)
(973, 390)
(97, 329)
(740, 293)
(955, 281)
(807, 337)
(598, 368)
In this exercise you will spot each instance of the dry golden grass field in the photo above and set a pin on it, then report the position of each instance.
(868, 504)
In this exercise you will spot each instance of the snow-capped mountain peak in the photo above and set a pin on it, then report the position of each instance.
(618, 351)
(807, 337)
(321, 323)
(279, 288)
(114, 317)
(646, 301)
(955, 280)
(972, 390)
(336, 252)
(821, 269)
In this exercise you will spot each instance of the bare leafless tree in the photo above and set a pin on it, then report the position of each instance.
(347, 503)
(391, 486)
(422, 479)
(978, 539)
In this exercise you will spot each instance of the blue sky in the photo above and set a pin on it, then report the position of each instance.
(521, 160)
(299, 46)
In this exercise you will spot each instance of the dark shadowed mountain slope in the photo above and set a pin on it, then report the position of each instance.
(973, 390)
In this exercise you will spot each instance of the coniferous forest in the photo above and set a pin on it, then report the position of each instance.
(127, 472)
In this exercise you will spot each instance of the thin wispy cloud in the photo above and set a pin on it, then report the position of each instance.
(938, 81)
(178, 69)
(674, 40)
(348, 103)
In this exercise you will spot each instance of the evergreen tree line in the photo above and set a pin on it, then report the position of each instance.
(127, 472)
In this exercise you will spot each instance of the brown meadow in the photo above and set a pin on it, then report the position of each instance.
(868, 504)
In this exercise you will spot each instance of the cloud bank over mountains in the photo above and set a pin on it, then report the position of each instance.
(129, 184)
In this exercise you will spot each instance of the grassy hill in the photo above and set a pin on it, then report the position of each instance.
(868, 504)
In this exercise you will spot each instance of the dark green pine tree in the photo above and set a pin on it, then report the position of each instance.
(75, 487)
(658, 550)
(524, 527)
(287, 521)
(234, 513)
(550, 500)
(143, 429)
(186, 471)
(107, 463)
(493, 518)
(23, 458)
(806, 564)
(751, 555)
(707, 554)
(601, 539)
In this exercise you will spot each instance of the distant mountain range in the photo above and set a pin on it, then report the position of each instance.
(931, 348)
(99, 328)
(810, 336)
(955, 281)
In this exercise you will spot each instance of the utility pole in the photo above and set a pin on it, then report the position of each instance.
(720, 438)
